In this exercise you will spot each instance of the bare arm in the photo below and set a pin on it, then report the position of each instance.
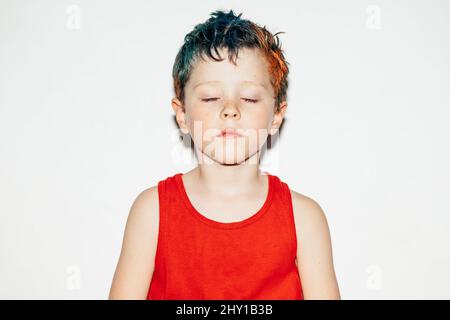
(136, 262)
(314, 250)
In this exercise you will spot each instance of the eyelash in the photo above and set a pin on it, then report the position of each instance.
(247, 100)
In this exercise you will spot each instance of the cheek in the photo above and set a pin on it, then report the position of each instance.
(198, 114)
(200, 118)
(201, 124)
(260, 119)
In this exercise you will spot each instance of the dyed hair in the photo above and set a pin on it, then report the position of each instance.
(226, 30)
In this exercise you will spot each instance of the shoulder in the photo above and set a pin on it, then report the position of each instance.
(136, 261)
(143, 217)
(146, 202)
(310, 218)
(142, 224)
(314, 249)
(305, 207)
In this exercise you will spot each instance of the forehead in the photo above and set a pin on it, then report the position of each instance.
(251, 69)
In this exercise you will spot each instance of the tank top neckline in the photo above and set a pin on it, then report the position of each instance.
(226, 225)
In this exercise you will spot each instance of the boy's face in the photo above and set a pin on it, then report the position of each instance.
(220, 95)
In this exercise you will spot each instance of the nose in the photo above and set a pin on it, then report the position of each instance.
(230, 111)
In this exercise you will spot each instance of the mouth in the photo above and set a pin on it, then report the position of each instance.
(229, 133)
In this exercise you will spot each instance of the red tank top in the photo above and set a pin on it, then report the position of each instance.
(202, 259)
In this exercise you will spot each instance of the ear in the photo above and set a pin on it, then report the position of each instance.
(180, 115)
(278, 117)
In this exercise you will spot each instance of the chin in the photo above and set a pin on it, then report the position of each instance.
(232, 161)
(229, 154)
(231, 158)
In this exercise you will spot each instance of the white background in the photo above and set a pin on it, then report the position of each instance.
(86, 125)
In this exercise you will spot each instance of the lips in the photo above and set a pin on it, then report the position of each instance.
(229, 133)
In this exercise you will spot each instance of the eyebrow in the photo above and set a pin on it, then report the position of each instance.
(217, 81)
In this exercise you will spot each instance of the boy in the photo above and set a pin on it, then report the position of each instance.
(225, 230)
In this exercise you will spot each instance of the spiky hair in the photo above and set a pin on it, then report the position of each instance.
(226, 30)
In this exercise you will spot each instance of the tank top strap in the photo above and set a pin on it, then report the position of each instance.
(282, 194)
(282, 205)
(286, 200)
(167, 197)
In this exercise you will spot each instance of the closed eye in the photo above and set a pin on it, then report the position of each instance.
(250, 100)
(245, 99)
(209, 99)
